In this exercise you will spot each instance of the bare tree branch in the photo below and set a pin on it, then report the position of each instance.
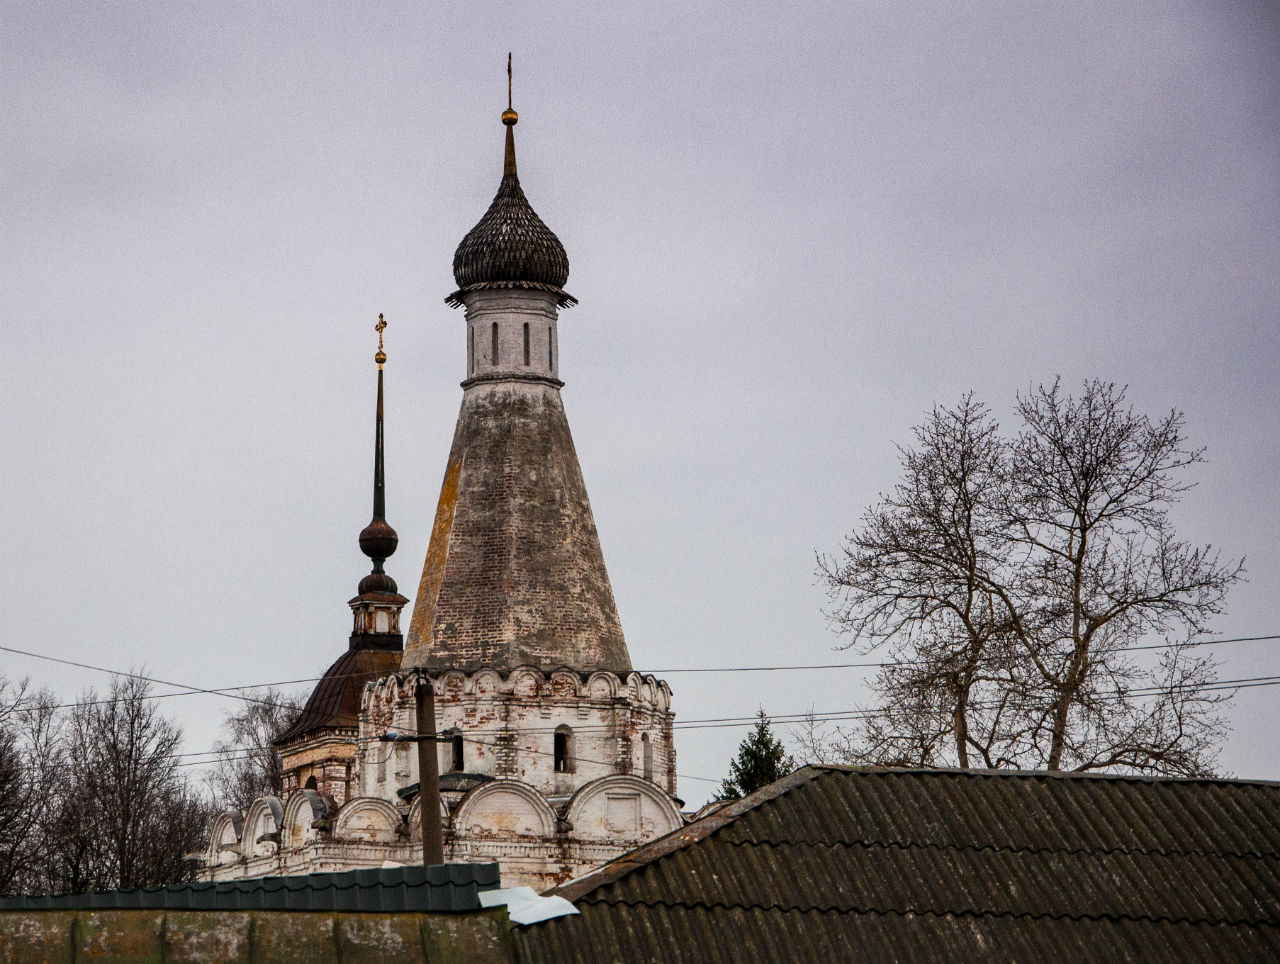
(1007, 574)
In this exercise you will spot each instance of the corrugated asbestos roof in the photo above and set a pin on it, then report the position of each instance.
(445, 888)
(833, 864)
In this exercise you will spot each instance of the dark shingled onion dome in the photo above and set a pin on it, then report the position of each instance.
(510, 247)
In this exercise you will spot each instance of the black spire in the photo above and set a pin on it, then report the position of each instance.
(378, 541)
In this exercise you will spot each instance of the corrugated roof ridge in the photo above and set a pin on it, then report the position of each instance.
(931, 912)
(994, 848)
(1042, 774)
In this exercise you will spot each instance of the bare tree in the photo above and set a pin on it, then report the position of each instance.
(29, 762)
(124, 814)
(248, 765)
(15, 787)
(1008, 579)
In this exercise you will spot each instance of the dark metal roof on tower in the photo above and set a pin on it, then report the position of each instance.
(511, 247)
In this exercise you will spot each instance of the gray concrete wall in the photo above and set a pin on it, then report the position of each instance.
(318, 937)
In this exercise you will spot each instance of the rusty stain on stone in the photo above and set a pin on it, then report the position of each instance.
(424, 607)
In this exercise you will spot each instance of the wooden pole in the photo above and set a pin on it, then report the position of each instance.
(429, 773)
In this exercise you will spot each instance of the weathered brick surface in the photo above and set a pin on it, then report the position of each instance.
(514, 572)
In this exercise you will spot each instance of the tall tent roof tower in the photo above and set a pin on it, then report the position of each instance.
(514, 574)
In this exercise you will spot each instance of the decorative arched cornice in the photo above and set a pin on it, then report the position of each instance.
(526, 681)
(224, 836)
(618, 782)
(602, 685)
(262, 822)
(303, 808)
(565, 683)
(415, 818)
(477, 797)
(562, 682)
(451, 681)
(484, 682)
(381, 812)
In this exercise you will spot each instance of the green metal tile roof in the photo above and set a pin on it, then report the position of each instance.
(445, 888)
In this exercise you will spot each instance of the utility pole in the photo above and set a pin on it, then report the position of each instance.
(428, 772)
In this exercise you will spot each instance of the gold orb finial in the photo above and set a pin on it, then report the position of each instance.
(381, 356)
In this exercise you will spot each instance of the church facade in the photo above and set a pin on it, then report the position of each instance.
(554, 754)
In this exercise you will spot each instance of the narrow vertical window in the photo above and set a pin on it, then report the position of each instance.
(471, 349)
(564, 749)
(647, 756)
(526, 343)
(495, 343)
(455, 745)
(551, 356)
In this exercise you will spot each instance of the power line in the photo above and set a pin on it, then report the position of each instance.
(220, 755)
(234, 691)
(919, 662)
(190, 690)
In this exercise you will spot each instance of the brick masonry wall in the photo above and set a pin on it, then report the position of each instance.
(514, 572)
(508, 725)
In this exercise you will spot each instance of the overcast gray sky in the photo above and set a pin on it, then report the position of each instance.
(792, 229)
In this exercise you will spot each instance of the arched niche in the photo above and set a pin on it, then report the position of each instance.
(300, 810)
(564, 684)
(504, 808)
(261, 834)
(224, 838)
(622, 809)
(451, 686)
(634, 683)
(486, 682)
(368, 819)
(602, 685)
(526, 681)
(662, 696)
(415, 818)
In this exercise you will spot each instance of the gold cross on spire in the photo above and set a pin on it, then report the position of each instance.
(509, 116)
(381, 357)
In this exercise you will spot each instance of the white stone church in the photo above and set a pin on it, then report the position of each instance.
(554, 755)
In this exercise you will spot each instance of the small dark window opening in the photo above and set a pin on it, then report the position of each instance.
(310, 784)
(455, 742)
(648, 756)
(551, 356)
(495, 343)
(526, 343)
(471, 350)
(563, 749)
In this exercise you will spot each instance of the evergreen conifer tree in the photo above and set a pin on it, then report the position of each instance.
(761, 760)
